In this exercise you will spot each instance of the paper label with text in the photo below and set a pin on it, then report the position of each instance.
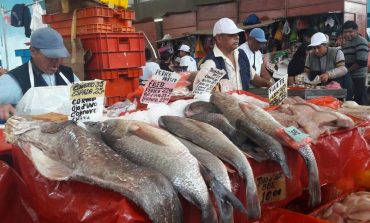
(278, 92)
(87, 99)
(271, 187)
(209, 81)
(159, 88)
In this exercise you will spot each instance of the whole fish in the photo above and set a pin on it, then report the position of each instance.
(63, 151)
(218, 179)
(200, 107)
(213, 140)
(228, 105)
(221, 123)
(266, 142)
(267, 123)
(157, 149)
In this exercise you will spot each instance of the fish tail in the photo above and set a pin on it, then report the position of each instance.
(209, 214)
(253, 204)
(313, 175)
(285, 168)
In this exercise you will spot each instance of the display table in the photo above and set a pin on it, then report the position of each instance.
(340, 156)
(305, 93)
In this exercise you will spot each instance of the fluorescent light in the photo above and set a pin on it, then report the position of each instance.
(158, 20)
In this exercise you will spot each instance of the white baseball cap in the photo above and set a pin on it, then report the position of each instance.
(225, 26)
(185, 48)
(318, 39)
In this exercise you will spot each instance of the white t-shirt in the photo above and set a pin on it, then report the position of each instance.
(233, 72)
(188, 61)
(148, 70)
(255, 57)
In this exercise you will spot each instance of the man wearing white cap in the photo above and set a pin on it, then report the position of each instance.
(186, 59)
(325, 62)
(44, 69)
(252, 48)
(226, 56)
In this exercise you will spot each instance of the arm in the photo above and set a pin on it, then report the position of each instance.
(260, 82)
(339, 70)
(6, 111)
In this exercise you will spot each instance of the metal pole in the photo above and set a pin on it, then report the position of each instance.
(4, 36)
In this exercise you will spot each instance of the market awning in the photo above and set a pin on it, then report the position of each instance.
(240, 25)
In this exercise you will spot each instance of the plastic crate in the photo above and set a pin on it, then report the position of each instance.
(115, 73)
(92, 20)
(121, 86)
(113, 42)
(94, 28)
(90, 12)
(116, 60)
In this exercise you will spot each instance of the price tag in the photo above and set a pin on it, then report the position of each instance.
(209, 81)
(87, 100)
(295, 134)
(278, 92)
(159, 88)
(271, 187)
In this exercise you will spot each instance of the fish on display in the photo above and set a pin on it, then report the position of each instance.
(213, 140)
(157, 149)
(267, 142)
(218, 179)
(200, 107)
(65, 151)
(268, 124)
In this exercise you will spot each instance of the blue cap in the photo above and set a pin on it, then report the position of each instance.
(258, 34)
(50, 43)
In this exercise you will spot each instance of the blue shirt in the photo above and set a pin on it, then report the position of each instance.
(11, 92)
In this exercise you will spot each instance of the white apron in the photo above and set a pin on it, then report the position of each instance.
(40, 100)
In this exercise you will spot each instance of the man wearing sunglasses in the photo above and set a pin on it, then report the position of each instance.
(226, 56)
(326, 63)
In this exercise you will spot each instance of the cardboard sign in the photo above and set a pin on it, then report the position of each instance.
(159, 88)
(87, 99)
(209, 81)
(295, 134)
(278, 92)
(271, 187)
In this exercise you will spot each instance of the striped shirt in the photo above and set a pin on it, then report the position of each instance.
(356, 51)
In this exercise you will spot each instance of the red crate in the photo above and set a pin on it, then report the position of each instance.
(94, 28)
(116, 60)
(92, 20)
(121, 86)
(113, 42)
(115, 73)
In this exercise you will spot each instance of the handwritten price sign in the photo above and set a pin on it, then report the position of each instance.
(278, 92)
(271, 187)
(209, 81)
(87, 99)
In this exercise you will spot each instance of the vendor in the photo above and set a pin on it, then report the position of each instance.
(47, 53)
(186, 59)
(226, 56)
(252, 48)
(325, 62)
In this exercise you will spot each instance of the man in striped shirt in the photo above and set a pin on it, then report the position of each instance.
(355, 51)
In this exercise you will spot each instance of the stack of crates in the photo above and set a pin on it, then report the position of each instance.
(117, 50)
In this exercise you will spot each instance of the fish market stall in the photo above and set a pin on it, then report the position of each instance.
(340, 157)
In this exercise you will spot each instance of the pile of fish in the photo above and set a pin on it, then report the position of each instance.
(354, 109)
(355, 208)
(312, 119)
(181, 153)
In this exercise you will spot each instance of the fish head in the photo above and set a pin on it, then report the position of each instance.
(220, 98)
(101, 128)
(16, 126)
(200, 107)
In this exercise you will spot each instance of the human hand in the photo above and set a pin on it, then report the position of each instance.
(3, 71)
(6, 111)
(324, 77)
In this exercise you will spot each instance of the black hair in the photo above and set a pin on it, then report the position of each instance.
(148, 54)
(349, 25)
(165, 56)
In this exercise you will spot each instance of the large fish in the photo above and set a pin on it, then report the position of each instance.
(267, 142)
(216, 174)
(213, 140)
(267, 123)
(159, 150)
(65, 151)
(200, 107)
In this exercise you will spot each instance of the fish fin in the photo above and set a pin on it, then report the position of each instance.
(230, 170)
(145, 134)
(237, 137)
(224, 197)
(200, 124)
(54, 127)
(46, 166)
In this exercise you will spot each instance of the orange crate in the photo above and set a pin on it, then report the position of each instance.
(121, 86)
(115, 73)
(93, 20)
(113, 42)
(116, 60)
(94, 28)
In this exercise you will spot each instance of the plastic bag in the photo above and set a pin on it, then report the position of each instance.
(40, 100)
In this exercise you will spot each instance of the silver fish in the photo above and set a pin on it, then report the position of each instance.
(65, 151)
(200, 107)
(213, 140)
(157, 149)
